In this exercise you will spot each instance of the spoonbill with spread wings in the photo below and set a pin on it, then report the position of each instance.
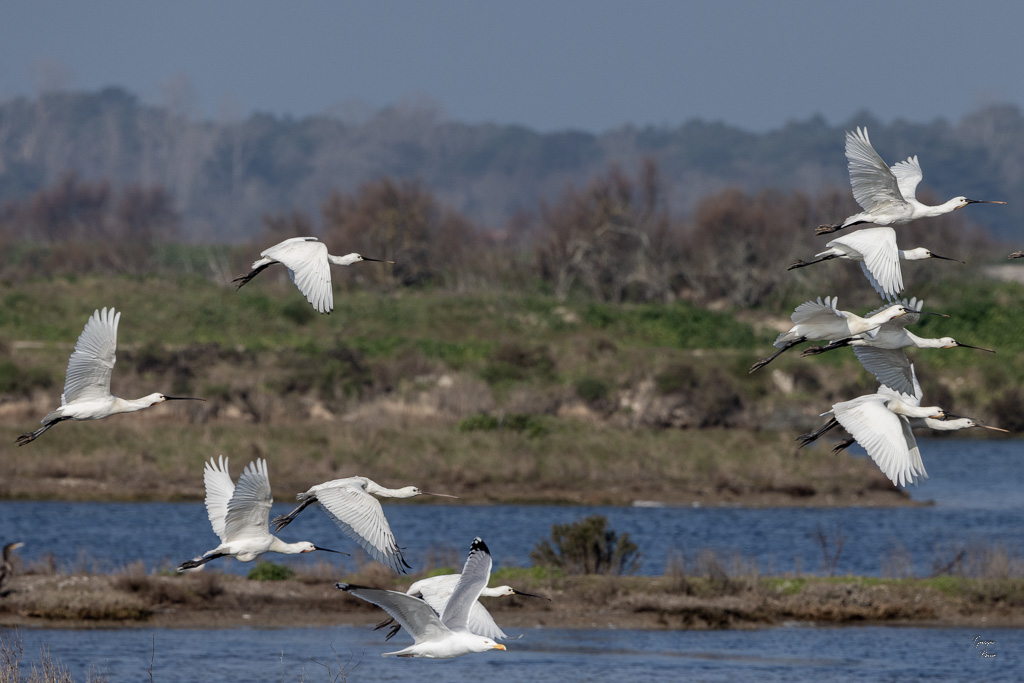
(887, 195)
(87, 384)
(309, 267)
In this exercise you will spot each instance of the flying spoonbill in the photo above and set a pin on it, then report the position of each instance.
(891, 444)
(887, 195)
(437, 590)
(309, 267)
(7, 567)
(350, 505)
(879, 257)
(880, 350)
(822, 320)
(87, 384)
(438, 636)
(239, 515)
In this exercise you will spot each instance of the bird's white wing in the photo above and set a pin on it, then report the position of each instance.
(881, 258)
(415, 616)
(306, 261)
(885, 436)
(249, 507)
(891, 367)
(874, 185)
(475, 575)
(361, 517)
(219, 489)
(435, 590)
(817, 311)
(908, 175)
(92, 361)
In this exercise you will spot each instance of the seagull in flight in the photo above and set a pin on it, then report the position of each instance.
(444, 635)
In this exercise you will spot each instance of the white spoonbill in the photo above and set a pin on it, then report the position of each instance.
(87, 383)
(309, 267)
(822, 320)
(434, 636)
(879, 257)
(350, 505)
(239, 515)
(880, 351)
(887, 195)
(437, 590)
(949, 422)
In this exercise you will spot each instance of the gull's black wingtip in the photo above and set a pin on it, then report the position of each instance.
(479, 545)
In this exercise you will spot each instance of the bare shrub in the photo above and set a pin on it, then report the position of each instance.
(613, 238)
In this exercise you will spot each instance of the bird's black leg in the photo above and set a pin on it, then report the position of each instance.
(281, 521)
(805, 439)
(192, 564)
(815, 350)
(243, 279)
(801, 263)
(843, 445)
(826, 229)
(29, 437)
(765, 361)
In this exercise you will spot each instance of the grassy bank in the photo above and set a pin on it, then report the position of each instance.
(493, 396)
(561, 460)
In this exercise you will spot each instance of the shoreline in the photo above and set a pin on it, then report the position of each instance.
(210, 600)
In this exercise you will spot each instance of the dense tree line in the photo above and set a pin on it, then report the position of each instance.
(225, 176)
(613, 239)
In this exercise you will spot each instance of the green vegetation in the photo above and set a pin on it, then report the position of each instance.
(524, 398)
(270, 571)
(587, 546)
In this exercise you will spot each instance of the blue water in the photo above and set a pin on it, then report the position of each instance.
(978, 493)
(558, 655)
(977, 487)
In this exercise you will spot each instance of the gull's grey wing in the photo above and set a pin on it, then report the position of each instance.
(475, 575)
(415, 616)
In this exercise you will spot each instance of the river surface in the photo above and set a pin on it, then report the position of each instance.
(977, 488)
(798, 653)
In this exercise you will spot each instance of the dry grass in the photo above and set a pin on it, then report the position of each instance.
(571, 460)
(46, 670)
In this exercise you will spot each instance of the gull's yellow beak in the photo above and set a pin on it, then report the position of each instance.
(499, 646)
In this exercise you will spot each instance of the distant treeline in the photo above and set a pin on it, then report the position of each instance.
(223, 177)
(614, 239)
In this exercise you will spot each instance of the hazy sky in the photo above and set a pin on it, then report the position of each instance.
(547, 64)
